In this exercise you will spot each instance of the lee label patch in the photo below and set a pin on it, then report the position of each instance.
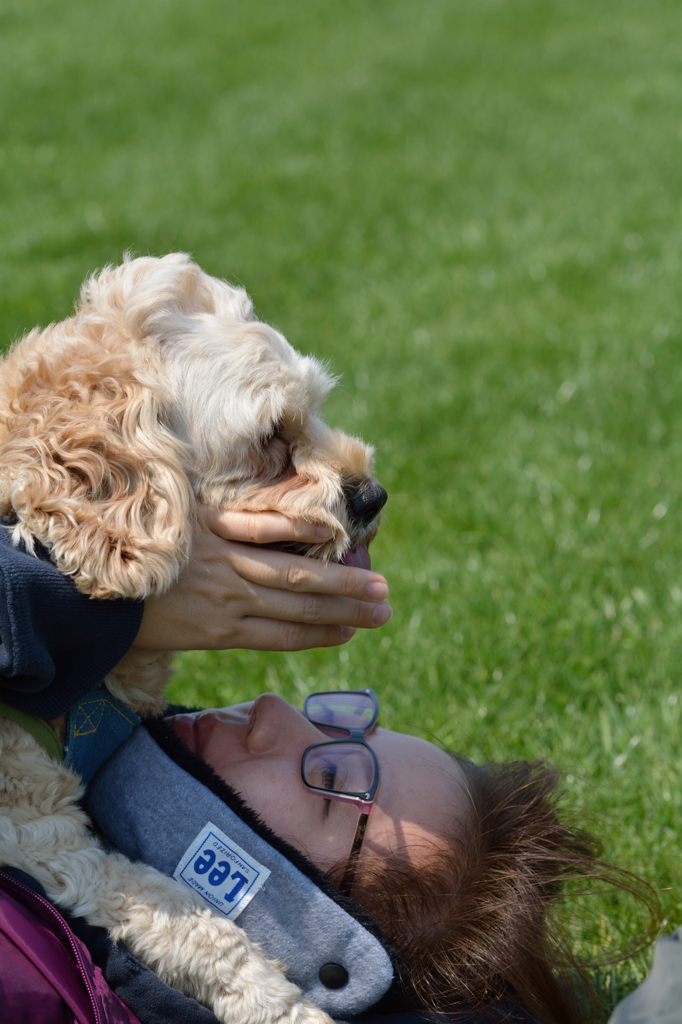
(219, 871)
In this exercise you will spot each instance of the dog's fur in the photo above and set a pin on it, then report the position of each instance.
(162, 390)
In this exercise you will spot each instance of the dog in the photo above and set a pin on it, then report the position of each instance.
(161, 391)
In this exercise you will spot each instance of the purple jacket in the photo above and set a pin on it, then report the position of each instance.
(46, 973)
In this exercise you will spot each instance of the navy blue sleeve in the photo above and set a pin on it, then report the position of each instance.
(55, 643)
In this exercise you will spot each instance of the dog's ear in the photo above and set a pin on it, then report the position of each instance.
(87, 467)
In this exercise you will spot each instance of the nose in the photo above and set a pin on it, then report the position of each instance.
(365, 498)
(277, 724)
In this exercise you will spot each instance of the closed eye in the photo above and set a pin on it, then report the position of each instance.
(269, 435)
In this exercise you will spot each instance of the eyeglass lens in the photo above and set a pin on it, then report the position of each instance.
(340, 710)
(339, 767)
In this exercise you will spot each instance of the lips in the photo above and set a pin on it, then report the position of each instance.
(197, 729)
(359, 558)
(185, 727)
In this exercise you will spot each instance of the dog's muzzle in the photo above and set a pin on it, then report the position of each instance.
(365, 500)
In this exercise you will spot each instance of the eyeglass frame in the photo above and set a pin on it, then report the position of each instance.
(364, 800)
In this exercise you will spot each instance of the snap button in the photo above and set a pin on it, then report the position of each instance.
(333, 976)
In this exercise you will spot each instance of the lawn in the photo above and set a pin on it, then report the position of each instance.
(472, 211)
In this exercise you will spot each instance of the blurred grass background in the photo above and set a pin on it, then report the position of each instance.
(472, 211)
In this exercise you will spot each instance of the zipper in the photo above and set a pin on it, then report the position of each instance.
(64, 926)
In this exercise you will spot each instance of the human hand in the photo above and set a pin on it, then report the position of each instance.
(235, 595)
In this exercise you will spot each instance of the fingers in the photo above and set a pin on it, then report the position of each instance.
(317, 609)
(268, 635)
(264, 528)
(281, 571)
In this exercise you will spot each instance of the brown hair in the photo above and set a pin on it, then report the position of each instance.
(477, 926)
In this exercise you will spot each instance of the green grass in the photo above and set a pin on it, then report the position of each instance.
(472, 210)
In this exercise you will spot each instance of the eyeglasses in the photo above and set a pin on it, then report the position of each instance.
(344, 769)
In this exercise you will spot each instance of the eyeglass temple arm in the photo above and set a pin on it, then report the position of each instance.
(349, 870)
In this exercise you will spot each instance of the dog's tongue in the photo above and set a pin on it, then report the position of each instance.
(359, 558)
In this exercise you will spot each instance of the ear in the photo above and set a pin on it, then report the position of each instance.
(87, 467)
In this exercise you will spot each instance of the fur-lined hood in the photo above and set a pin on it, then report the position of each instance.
(157, 802)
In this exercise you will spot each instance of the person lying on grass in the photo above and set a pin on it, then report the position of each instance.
(470, 921)
(461, 865)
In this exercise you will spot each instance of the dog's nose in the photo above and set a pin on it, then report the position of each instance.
(365, 498)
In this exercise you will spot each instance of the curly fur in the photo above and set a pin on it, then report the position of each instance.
(161, 390)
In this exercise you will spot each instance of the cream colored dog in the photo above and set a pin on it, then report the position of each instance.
(160, 391)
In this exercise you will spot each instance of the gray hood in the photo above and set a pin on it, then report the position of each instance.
(174, 813)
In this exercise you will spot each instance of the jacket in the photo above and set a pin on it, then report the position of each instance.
(55, 643)
(47, 975)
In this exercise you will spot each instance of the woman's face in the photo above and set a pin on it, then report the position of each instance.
(257, 749)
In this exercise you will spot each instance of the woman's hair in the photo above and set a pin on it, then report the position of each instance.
(477, 925)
